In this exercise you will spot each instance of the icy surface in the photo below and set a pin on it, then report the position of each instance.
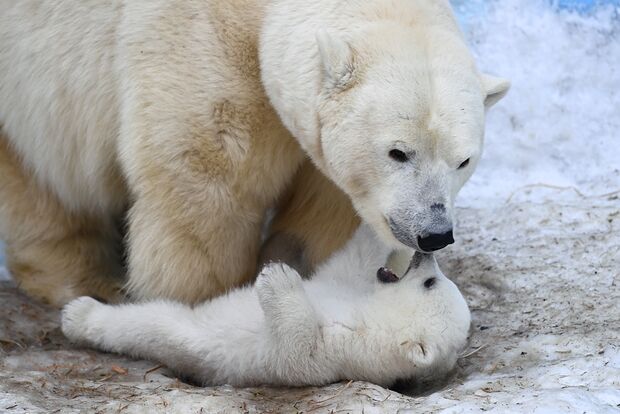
(542, 287)
(538, 253)
(3, 275)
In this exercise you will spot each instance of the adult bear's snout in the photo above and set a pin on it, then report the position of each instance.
(425, 238)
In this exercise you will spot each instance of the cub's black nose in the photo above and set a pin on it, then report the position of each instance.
(435, 241)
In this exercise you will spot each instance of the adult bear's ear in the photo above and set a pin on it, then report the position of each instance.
(495, 88)
(337, 61)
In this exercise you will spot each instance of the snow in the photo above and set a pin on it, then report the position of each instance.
(559, 124)
(537, 257)
(3, 273)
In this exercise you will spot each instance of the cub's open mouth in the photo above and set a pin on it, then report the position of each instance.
(386, 275)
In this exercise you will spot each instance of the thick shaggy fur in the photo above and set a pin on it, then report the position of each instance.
(342, 324)
(195, 115)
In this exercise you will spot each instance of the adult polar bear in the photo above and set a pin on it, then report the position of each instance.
(196, 115)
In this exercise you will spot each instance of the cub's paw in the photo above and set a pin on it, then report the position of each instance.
(278, 277)
(275, 282)
(75, 315)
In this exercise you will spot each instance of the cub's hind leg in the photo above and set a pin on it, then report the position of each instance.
(52, 254)
(168, 332)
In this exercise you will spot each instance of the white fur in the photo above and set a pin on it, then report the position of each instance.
(341, 324)
(354, 79)
(77, 81)
(194, 114)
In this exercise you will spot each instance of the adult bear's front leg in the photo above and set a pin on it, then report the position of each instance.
(194, 225)
(203, 152)
(177, 252)
(200, 196)
(314, 219)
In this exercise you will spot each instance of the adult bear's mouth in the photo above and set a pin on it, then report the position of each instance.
(424, 243)
(402, 235)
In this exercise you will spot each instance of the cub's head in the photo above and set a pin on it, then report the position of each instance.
(429, 291)
(429, 317)
(401, 125)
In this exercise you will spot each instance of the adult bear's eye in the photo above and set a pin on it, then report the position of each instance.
(398, 155)
(464, 164)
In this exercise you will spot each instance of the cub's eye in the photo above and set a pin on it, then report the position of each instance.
(464, 164)
(398, 155)
(430, 282)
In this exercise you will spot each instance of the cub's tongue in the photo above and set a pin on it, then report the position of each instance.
(386, 275)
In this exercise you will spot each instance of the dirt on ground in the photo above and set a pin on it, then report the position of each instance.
(541, 279)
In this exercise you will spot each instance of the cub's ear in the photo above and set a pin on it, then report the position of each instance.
(496, 89)
(337, 61)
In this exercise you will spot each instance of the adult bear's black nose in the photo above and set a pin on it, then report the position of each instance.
(435, 241)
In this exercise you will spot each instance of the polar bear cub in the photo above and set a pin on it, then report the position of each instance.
(347, 322)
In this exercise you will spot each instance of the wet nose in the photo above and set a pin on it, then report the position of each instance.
(435, 241)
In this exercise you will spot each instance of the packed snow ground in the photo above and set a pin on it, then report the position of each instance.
(537, 255)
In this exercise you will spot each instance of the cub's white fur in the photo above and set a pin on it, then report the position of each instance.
(341, 324)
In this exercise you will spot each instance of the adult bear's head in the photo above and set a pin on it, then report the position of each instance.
(392, 110)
